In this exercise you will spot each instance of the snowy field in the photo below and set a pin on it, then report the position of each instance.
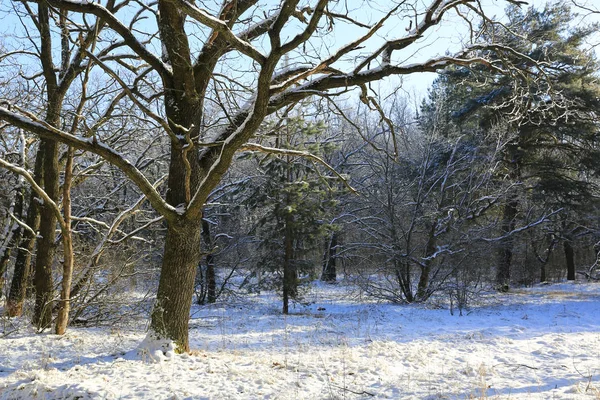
(538, 343)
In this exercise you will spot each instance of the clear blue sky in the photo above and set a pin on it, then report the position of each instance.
(447, 37)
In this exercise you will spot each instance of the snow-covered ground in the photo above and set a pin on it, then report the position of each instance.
(538, 343)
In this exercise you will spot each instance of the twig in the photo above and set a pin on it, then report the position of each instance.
(352, 391)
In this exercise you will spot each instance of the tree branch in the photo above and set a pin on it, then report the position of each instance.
(44, 130)
(297, 153)
(102, 12)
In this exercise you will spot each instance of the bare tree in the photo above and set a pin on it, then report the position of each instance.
(57, 82)
(234, 53)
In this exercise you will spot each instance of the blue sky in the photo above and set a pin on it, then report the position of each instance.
(446, 37)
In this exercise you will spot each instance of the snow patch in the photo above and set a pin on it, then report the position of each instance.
(156, 349)
(528, 344)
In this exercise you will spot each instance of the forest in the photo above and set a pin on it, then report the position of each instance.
(161, 160)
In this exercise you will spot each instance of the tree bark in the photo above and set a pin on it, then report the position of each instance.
(423, 284)
(15, 234)
(211, 281)
(290, 279)
(182, 254)
(329, 273)
(43, 280)
(543, 276)
(211, 284)
(4, 260)
(55, 92)
(170, 316)
(505, 252)
(22, 270)
(544, 260)
(65, 296)
(570, 260)
(183, 241)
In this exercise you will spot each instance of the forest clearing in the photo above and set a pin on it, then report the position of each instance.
(538, 343)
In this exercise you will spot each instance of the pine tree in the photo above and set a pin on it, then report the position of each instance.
(292, 201)
(548, 111)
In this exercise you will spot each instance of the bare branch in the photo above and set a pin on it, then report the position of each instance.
(297, 153)
(47, 200)
(221, 27)
(44, 130)
(102, 12)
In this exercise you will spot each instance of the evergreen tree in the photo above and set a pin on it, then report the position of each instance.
(291, 199)
(548, 111)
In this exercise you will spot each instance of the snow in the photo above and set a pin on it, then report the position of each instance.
(153, 348)
(536, 343)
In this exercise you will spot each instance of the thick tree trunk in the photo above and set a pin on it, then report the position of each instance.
(183, 241)
(504, 263)
(513, 157)
(182, 254)
(570, 260)
(43, 281)
(55, 90)
(176, 286)
(329, 259)
(171, 313)
(22, 270)
(505, 252)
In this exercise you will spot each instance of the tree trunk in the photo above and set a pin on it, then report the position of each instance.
(64, 304)
(183, 241)
(505, 252)
(570, 260)
(4, 260)
(200, 284)
(423, 284)
(329, 259)
(543, 276)
(55, 92)
(406, 281)
(65, 296)
(211, 283)
(171, 312)
(182, 254)
(22, 270)
(290, 280)
(543, 258)
(544, 261)
(43, 281)
(14, 238)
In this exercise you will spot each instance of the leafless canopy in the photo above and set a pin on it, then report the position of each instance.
(236, 63)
